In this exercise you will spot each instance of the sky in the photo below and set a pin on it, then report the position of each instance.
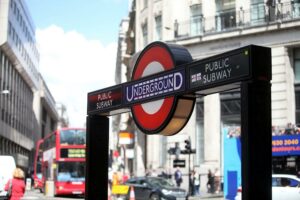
(77, 41)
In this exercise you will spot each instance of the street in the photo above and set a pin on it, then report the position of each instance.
(35, 194)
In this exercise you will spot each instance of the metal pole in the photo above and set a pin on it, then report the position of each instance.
(124, 159)
(189, 176)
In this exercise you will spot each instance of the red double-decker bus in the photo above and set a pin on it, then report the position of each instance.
(37, 171)
(64, 161)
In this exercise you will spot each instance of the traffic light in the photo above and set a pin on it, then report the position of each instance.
(171, 151)
(188, 148)
(187, 145)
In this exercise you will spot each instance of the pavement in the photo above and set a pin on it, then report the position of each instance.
(37, 195)
(208, 196)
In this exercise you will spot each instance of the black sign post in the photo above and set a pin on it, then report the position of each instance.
(248, 68)
(256, 129)
(256, 140)
(97, 157)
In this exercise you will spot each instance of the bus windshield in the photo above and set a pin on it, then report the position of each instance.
(71, 171)
(72, 137)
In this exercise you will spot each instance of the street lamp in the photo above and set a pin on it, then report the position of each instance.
(5, 92)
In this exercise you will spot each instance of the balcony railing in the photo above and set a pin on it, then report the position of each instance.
(258, 15)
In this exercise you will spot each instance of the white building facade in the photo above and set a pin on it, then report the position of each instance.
(210, 27)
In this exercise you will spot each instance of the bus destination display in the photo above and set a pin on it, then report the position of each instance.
(72, 153)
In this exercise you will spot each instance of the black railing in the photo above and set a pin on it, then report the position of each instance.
(258, 14)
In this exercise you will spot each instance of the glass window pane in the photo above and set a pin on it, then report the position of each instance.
(297, 54)
(71, 171)
(257, 13)
(225, 4)
(73, 137)
(196, 19)
(297, 94)
(145, 34)
(158, 27)
(297, 65)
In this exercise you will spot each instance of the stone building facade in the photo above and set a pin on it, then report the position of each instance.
(207, 28)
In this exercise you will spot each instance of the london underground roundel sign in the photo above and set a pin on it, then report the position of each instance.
(169, 115)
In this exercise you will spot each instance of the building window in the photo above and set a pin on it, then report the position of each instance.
(199, 158)
(257, 12)
(297, 65)
(297, 83)
(196, 19)
(52, 124)
(9, 29)
(296, 8)
(163, 154)
(44, 115)
(226, 14)
(158, 27)
(145, 34)
(231, 108)
(145, 3)
(15, 8)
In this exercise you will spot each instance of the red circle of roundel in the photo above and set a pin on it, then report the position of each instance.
(146, 121)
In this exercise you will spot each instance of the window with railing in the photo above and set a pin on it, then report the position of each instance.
(227, 17)
(196, 19)
(296, 8)
(226, 14)
(257, 11)
(271, 9)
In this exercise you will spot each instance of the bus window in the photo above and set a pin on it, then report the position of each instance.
(71, 171)
(73, 137)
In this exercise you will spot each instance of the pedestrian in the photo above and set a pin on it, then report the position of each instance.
(17, 185)
(217, 178)
(178, 177)
(196, 183)
(298, 174)
(163, 174)
(148, 172)
(125, 177)
(210, 182)
(110, 177)
(191, 183)
(115, 179)
(153, 173)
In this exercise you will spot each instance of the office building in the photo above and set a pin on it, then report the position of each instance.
(27, 108)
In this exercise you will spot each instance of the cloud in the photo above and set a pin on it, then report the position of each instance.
(72, 66)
